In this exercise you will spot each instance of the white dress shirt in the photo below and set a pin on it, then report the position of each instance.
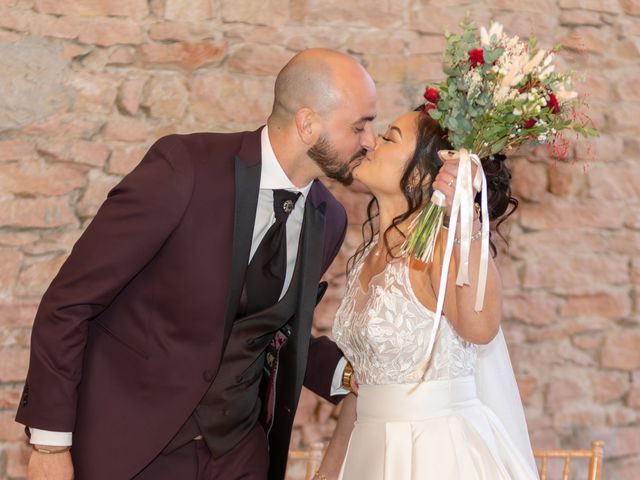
(272, 177)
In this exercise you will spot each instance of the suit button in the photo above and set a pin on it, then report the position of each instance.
(287, 409)
(226, 413)
(207, 376)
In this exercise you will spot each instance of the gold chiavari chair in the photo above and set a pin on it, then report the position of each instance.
(594, 455)
(311, 457)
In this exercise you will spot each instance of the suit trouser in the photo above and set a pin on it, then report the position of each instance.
(248, 460)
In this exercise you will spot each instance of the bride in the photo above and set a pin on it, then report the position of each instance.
(456, 415)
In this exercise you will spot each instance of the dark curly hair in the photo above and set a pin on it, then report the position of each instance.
(424, 163)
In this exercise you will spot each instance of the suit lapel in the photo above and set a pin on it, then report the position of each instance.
(247, 186)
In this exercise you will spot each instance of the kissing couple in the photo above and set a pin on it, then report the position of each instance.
(174, 342)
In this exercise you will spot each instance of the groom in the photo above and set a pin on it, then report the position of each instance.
(175, 340)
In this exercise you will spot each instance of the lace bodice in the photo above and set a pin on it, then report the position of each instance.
(385, 331)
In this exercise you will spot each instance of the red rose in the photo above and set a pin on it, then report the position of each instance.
(476, 57)
(552, 104)
(432, 95)
(427, 107)
(529, 123)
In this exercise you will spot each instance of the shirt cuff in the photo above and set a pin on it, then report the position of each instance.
(336, 383)
(49, 438)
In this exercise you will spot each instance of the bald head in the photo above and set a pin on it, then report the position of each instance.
(318, 79)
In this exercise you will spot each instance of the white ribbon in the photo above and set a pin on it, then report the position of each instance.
(462, 206)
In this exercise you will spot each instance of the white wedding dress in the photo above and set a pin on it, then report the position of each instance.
(415, 425)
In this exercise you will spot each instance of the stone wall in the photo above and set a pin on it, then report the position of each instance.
(87, 85)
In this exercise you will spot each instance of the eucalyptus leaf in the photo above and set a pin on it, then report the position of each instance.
(435, 114)
(498, 147)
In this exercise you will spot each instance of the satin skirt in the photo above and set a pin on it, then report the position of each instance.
(432, 430)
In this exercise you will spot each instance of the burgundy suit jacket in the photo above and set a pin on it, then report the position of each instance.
(130, 333)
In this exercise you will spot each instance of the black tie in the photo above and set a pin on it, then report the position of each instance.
(268, 267)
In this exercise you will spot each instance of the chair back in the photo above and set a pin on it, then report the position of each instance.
(594, 455)
(311, 457)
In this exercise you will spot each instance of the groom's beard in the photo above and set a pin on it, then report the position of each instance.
(327, 159)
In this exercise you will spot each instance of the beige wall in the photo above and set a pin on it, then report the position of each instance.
(87, 85)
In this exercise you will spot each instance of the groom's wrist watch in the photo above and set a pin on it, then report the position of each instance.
(346, 376)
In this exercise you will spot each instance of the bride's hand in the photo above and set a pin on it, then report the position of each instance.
(354, 384)
(445, 181)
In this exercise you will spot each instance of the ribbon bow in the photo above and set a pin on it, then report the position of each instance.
(462, 208)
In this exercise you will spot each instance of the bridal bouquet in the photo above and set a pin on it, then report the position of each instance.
(500, 92)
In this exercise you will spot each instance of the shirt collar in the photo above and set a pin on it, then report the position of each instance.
(272, 176)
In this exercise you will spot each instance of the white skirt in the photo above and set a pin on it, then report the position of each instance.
(432, 430)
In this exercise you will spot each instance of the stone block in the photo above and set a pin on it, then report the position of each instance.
(94, 8)
(30, 84)
(256, 59)
(621, 350)
(386, 14)
(183, 55)
(36, 277)
(608, 6)
(94, 93)
(222, 99)
(267, 12)
(36, 212)
(126, 129)
(106, 32)
(96, 193)
(188, 10)
(13, 364)
(574, 272)
(125, 158)
(130, 94)
(39, 178)
(167, 97)
(534, 308)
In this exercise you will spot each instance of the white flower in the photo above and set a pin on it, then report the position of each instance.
(517, 112)
(516, 80)
(501, 94)
(485, 37)
(566, 95)
(545, 73)
(534, 62)
(508, 78)
(496, 29)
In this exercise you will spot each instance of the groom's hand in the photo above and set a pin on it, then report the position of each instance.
(50, 466)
